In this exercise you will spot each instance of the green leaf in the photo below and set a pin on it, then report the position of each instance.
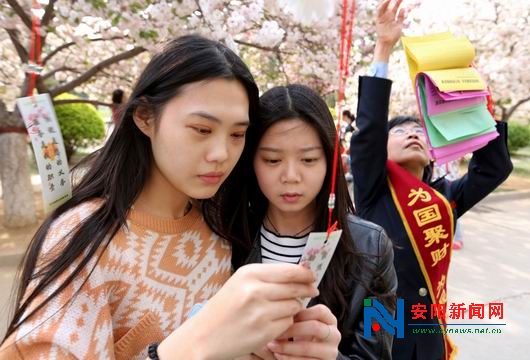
(136, 7)
(148, 34)
(115, 20)
(97, 4)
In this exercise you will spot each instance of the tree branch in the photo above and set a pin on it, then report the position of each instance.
(503, 110)
(197, 3)
(497, 11)
(3, 73)
(26, 19)
(282, 66)
(264, 48)
(59, 69)
(21, 50)
(67, 45)
(56, 50)
(41, 86)
(512, 48)
(115, 77)
(76, 101)
(512, 109)
(94, 70)
(49, 13)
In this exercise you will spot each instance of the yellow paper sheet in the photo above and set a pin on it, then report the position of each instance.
(436, 52)
(461, 79)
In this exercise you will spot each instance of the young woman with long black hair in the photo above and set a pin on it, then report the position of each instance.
(115, 271)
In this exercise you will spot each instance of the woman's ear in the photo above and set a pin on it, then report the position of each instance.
(143, 119)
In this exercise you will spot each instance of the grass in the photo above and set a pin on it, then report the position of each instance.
(521, 161)
(519, 179)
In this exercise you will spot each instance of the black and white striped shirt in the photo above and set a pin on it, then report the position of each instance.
(285, 249)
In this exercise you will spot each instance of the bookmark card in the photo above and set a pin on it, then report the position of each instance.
(318, 253)
(47, 141)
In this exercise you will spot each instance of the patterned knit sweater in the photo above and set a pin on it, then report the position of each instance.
(141, 289)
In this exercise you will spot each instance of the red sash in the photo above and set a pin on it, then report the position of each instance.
(428, 219)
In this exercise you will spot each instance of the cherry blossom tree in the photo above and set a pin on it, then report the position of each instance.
(62, 43)
(92, 47)
(499, 32)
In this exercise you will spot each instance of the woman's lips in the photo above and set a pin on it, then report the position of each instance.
(213, 178)
(291, 197)
(414, 143)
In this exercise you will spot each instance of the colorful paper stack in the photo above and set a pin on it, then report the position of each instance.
(451, 95)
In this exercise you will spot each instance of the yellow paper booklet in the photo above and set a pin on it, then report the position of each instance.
(461, 79)
(437, 52)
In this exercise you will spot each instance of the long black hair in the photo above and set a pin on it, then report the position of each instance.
(240, 214)
(118, 171)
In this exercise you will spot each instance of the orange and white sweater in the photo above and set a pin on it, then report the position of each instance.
(141, 289)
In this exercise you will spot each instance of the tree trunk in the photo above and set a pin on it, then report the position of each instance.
(17, 191)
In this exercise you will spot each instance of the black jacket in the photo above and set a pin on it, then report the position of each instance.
(371, 241)
(488, 168)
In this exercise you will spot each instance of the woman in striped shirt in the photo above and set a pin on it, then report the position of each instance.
(283, 198)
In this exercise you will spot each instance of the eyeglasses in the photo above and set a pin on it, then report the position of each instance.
(400, 131)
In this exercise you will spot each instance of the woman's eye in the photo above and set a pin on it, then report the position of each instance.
(309, 160)
(419, 131)
(272, 161)
(239, 135)
(202, 131)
